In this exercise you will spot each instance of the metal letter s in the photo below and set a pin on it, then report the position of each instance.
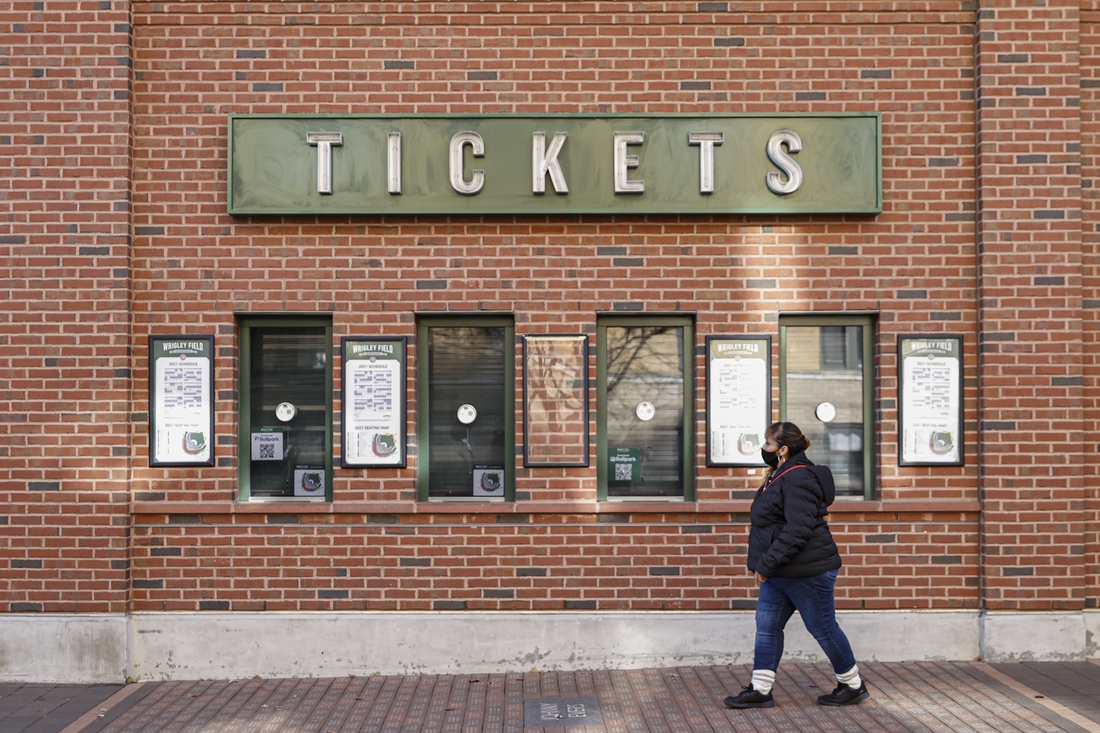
(784, 162)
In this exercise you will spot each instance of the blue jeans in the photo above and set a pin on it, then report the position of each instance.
(813, 598)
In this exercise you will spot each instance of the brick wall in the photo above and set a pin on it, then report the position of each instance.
(1030, 267)
(65, 327)
(556, 548)
(1090, 173)
(262, 561)
(917, 264)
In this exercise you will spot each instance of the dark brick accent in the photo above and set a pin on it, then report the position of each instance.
(449, 606)
(213, 605)
(498, 593)
(530, 572)
(580, 605)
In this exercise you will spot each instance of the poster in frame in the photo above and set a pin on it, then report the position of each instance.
(372, 405)
(181, 400)
(739, 398)
(555, 400)
(930, 405)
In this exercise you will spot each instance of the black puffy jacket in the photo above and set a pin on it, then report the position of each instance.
(789, 536)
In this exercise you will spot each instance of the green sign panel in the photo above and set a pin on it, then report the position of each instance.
(555, 164)
(181, 347)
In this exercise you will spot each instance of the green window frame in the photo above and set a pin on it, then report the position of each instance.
(306, 424)
(439, 425)
(844, 374)
(614, 415)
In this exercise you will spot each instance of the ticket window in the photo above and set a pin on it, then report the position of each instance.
(466, 403)
(826, 374)
(644, 408)
(286, 409)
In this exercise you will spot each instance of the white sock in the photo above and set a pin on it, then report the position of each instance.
(850, 678)
(762, 680)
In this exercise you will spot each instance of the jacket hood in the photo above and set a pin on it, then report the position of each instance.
(824, 477)
(823, 474)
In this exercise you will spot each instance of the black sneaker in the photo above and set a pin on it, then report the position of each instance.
(749, 698)
(844, 695)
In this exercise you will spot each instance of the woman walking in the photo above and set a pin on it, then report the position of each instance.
(794, 559)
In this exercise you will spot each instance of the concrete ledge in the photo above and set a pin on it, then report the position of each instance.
(88, 649)
(239, 645)
(62, 648)
(1092, 634)
(1033, 637)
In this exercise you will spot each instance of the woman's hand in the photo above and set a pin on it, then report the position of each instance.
(760, 579)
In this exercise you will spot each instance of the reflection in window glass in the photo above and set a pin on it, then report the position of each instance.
(841, 347)
(825, 364)
(287, 457)
(466, 366)
(645, 410)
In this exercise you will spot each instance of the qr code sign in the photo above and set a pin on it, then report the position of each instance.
(267, 450)
(623, 471)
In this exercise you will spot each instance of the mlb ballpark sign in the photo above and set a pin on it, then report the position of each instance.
(555, 164)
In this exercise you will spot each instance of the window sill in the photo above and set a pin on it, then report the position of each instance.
(309, 506)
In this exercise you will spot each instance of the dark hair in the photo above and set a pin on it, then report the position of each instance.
(785, 434)
(788, 434)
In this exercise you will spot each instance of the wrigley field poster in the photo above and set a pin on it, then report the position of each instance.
(373, 416)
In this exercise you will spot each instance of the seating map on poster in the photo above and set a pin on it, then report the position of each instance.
(181, 400)
(374, 402)
(930, 400)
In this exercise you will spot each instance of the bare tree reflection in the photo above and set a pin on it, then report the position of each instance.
(635, 351)
(645, 365)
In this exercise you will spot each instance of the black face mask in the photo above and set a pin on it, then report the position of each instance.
(770, 457)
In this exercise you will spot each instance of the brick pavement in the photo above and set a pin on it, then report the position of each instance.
(44, 708)
(918, 697)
